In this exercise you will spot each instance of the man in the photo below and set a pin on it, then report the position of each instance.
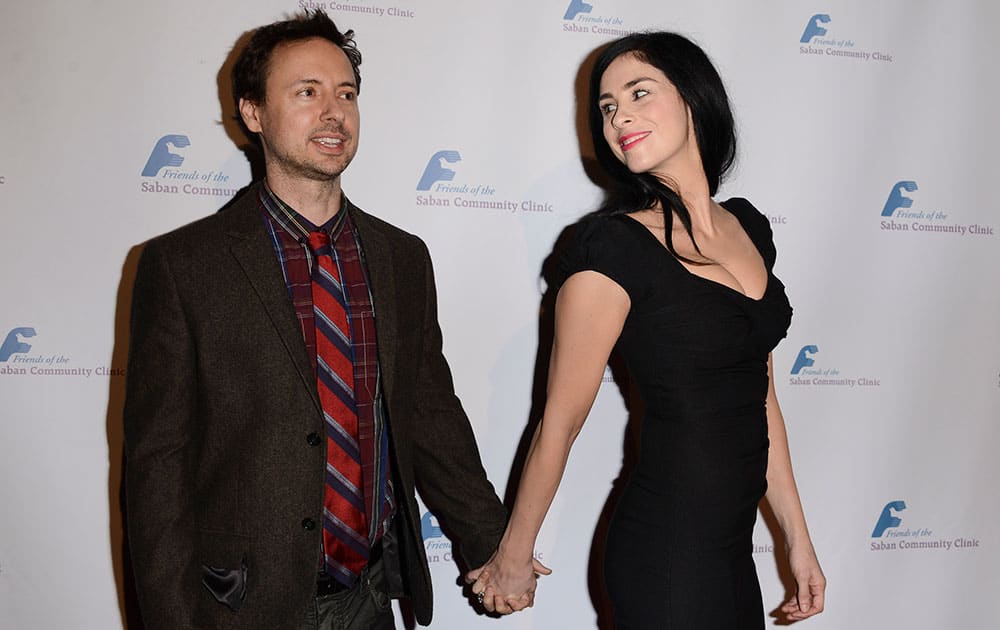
(286, 387)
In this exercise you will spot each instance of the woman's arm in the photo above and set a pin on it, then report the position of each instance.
(590, 313)
(783, 497)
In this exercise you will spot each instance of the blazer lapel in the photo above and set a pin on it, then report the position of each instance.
(377, 252)
(253, 250)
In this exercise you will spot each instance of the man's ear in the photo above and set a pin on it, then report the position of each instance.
(250, 112)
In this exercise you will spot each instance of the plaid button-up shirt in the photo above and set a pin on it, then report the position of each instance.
(289, 232)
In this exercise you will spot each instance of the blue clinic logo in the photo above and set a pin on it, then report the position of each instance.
(813, 28)
(162, 157)
(576, 7)
(896, 199)
(886, 520)
(14, 344)
(435, 171)
(429, 527)
(580, 18)
(804, 359)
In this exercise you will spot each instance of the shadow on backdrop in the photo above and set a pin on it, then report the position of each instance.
(121, 564)
(229, 123)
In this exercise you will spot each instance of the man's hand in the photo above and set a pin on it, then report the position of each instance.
(504, 587)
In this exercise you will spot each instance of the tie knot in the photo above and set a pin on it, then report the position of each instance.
(318, 241)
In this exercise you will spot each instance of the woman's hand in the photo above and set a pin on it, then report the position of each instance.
(505, 586)
(810, 584)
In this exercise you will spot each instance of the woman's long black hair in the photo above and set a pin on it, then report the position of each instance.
(696, 79)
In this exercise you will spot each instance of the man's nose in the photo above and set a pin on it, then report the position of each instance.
(333, 109)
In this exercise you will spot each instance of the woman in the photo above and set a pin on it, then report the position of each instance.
(683, 286)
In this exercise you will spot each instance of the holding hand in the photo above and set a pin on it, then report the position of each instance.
(503, 585)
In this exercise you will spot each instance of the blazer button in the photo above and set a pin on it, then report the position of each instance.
(313, 439)
(308, 524)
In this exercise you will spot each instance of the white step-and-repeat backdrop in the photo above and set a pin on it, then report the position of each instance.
(868, 134)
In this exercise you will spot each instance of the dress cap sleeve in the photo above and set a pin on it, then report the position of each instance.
(603, 244)
(757, 226)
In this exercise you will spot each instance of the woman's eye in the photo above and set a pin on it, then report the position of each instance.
(608, 108)
(639, 93)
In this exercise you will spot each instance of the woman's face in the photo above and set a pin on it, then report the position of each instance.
(646, 122)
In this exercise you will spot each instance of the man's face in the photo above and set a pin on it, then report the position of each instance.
(309, 119)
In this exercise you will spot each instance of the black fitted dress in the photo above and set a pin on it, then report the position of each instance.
(679, 550)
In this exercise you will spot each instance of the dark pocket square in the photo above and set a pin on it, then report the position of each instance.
(228, 586)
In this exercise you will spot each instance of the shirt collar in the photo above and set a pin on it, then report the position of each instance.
(296, 224)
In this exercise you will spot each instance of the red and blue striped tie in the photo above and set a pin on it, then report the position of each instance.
(345, 532)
